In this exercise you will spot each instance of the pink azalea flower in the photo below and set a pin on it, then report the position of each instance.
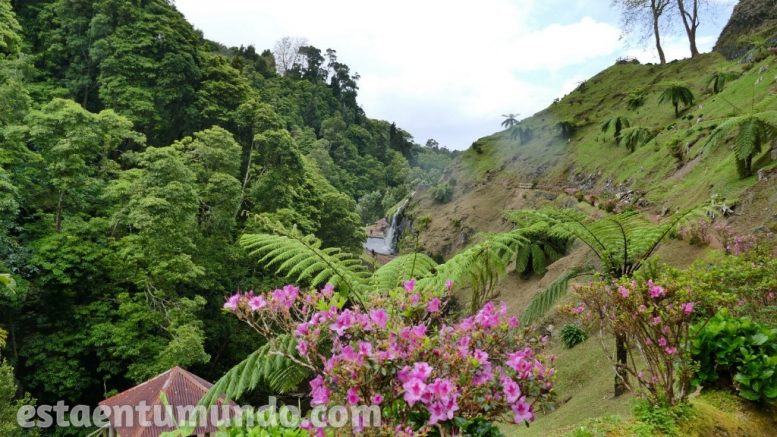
(480, 355)
(670, 350)
(624, 292)
(377, 399)
(642, 308)
(352, 396)
(348, 354)
(655, 321)
(328, 290)
(415, 298)
(414, 389)
(257, 303)
(344, 321)
(655, 291)
(523, 411)
(662, 342)
(578, 309)
(232, 303)
(513, 322)
(318, 392)
(433, 305)
(448, 285)
(302, 347)
(409, 285)
(437, 413)
(511, 390)
(687, 308)
(379, 317)
(441, 388)
(421, 371)
(365, 348)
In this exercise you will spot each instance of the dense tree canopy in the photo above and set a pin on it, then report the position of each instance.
(134, 154)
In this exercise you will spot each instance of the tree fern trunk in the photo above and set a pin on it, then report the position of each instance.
(621, 356)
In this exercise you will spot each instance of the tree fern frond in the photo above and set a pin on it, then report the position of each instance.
(265, 365)
(302, 260)
(391, 274)
(543, 301)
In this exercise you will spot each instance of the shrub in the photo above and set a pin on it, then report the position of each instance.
(442, 192)
(572, 335)
(737, 352)
(658, 419)
(654, 319)
(396, 351)
(745, 283)
(697, 233)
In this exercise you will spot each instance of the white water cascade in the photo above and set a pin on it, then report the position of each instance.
(388, 244)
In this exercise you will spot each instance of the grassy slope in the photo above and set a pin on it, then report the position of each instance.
(487, 184)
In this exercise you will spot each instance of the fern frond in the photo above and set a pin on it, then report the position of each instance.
(301, 259)
(543, 301)
(264, 366)
(391, 274)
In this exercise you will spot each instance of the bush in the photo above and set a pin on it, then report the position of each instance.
(395, 350)
(697, 233)
(737, 352)
(661, 419)
(572, 335)
(655, 320)
(442, 192)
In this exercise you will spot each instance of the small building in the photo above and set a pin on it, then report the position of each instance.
(161, 404)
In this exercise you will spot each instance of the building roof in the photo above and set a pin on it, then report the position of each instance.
(181, 389)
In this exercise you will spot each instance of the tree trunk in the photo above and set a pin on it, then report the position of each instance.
(621, 355)
(661, 55)
(676, 110)
(691, 23)
(58, 216)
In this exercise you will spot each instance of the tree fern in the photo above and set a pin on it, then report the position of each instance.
(676, 94)
(621, 242)
(265, 366)
(617, 123)
(717, 81)
(635, 137)
(391, 274)
(752, 133)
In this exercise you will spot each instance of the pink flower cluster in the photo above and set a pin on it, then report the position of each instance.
(657, 317)
(466, 369)
(280, 299)
(399, 348)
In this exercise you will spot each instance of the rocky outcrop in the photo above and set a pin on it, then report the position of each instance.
(750, 18)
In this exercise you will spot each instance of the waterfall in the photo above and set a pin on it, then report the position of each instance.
(388, 244)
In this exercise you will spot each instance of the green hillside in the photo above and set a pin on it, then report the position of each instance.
(677, 167)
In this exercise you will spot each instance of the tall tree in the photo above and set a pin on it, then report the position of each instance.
(689, 12)
(286, 53)
(650, 12)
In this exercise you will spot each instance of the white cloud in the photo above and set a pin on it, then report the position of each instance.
(440, 68)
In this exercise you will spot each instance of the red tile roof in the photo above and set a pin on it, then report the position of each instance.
(181, 388)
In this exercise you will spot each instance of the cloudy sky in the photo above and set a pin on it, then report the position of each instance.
(447, 69)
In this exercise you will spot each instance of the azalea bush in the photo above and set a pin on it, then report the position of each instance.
(397, 351)
(655, 320)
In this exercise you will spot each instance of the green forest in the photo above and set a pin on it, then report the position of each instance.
(605, 266)
(134, 154)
